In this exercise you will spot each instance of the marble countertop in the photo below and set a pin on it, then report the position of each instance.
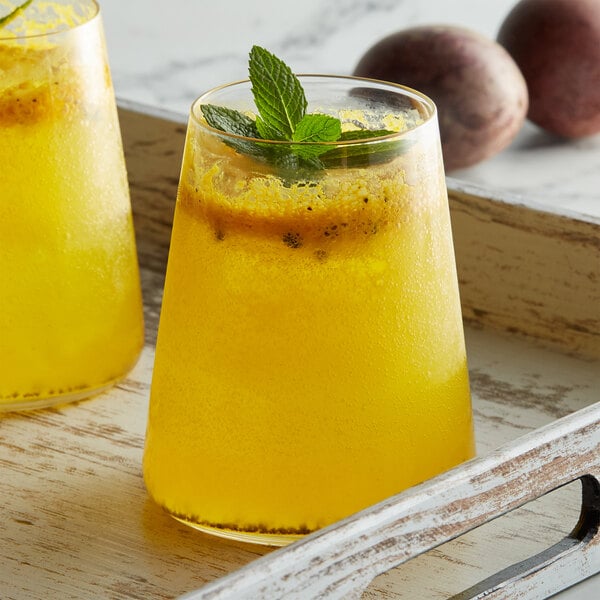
(166, 54)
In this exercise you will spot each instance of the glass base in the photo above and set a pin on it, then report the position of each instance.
(48, 401)
(250, 537)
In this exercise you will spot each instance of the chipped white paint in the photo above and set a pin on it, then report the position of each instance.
(526, 270)
(76, 521)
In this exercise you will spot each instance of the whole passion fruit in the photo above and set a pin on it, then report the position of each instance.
(479, 91)
(556, 44)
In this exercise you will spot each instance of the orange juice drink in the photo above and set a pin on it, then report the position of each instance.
(70, 305)
(310, 358)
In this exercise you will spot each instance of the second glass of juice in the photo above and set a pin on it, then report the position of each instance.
(71, 321)
(310, 358)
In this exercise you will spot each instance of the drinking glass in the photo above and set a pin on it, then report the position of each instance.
(310, 358)
(70, 305)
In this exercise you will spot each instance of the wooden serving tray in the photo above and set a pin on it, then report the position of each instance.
(77, 523)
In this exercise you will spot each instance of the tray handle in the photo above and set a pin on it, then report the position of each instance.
(341, 560)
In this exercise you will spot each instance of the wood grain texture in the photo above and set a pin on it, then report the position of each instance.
(528, 271)
(76, 520)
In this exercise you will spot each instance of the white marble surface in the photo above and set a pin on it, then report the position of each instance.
(165, 54)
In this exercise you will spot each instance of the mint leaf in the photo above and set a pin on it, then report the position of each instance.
(233, 121)
(364, 134)
(317, 128)
(363, 155)
(278, 95)
(11, 15)
(267, 132)
(229, 120)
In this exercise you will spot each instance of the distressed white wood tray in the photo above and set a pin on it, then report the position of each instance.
(76, 521)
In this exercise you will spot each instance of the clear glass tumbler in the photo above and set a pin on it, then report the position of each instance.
(310, 358)
(71, 318)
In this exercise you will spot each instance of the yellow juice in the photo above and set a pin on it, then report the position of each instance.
(310, 358)
(70, 302)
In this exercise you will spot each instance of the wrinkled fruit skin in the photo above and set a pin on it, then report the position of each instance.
(480, 93)
(556, 44)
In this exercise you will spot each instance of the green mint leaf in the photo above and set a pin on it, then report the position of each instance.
(293, 168)
(317, 128)
(364, 134)
(267, 132)
(277, 92)
(363, 155)
(232, 121)
(229, 120)
(11, 15)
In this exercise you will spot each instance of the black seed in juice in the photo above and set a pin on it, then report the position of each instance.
(291, 239)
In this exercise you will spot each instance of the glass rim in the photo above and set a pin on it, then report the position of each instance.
(32, 36)
(405, 90)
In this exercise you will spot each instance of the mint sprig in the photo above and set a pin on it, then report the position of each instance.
(282, 104)
(278, 95)
(13, 13)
